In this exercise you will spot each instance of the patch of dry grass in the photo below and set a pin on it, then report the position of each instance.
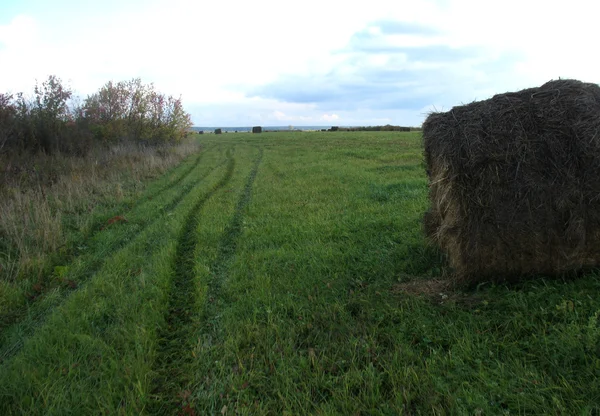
(47, 199)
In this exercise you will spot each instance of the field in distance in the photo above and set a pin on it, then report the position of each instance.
(288, 273)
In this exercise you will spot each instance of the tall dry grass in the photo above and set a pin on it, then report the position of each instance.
(40, 194)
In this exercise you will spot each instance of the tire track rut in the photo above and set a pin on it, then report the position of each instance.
(175, 352)
(72, 253)
(174, 338)
(37, 318)
(229, 241)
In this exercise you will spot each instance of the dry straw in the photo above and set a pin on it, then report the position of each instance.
(515, 182)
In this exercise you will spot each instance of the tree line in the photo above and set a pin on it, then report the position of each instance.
(52, 120)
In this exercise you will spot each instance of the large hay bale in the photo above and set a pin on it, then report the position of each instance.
(218, 131)
(515, 182)
(257, 129)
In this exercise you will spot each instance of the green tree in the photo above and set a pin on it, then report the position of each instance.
(50, 112)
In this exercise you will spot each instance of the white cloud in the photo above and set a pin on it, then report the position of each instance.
(19, 54)
(281, 116)
(330, 117)
(20, 32)
(554, 38)
(212, 52)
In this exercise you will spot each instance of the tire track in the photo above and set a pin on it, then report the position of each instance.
(211, 310)
(174, 337)
(37, 318)
(97, 227)
(211, 332)
(229, 241)
(180, 178)
(14, 318)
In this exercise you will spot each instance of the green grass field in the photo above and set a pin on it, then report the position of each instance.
(287, 273)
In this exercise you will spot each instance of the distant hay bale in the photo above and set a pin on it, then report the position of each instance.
(200, 131)
(218, 131)
(257, 129)
(515, 182)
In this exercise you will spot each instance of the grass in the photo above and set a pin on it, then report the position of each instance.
(92, 252)
(51, 204)
(288, 274)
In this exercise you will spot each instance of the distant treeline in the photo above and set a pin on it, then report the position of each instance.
(259, 129)
(387, 127)
(51, 121)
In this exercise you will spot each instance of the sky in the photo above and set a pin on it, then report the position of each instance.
(301, 63)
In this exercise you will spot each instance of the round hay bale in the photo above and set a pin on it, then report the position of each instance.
(218, 131)
(257, 129)
(515, 182)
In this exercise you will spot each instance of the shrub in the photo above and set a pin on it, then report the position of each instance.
(50, 122)
(38, 124)
(8, 112)
(130, 110)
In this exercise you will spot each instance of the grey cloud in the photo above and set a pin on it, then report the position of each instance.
(413, 77)
(391, 27)
(440, 53)
(367, 42)
(372, 89)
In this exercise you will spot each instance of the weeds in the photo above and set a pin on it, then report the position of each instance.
(48, 208)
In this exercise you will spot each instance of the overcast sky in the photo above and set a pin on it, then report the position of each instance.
(309, 62)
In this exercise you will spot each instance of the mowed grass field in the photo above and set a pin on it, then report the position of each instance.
(288, 273)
